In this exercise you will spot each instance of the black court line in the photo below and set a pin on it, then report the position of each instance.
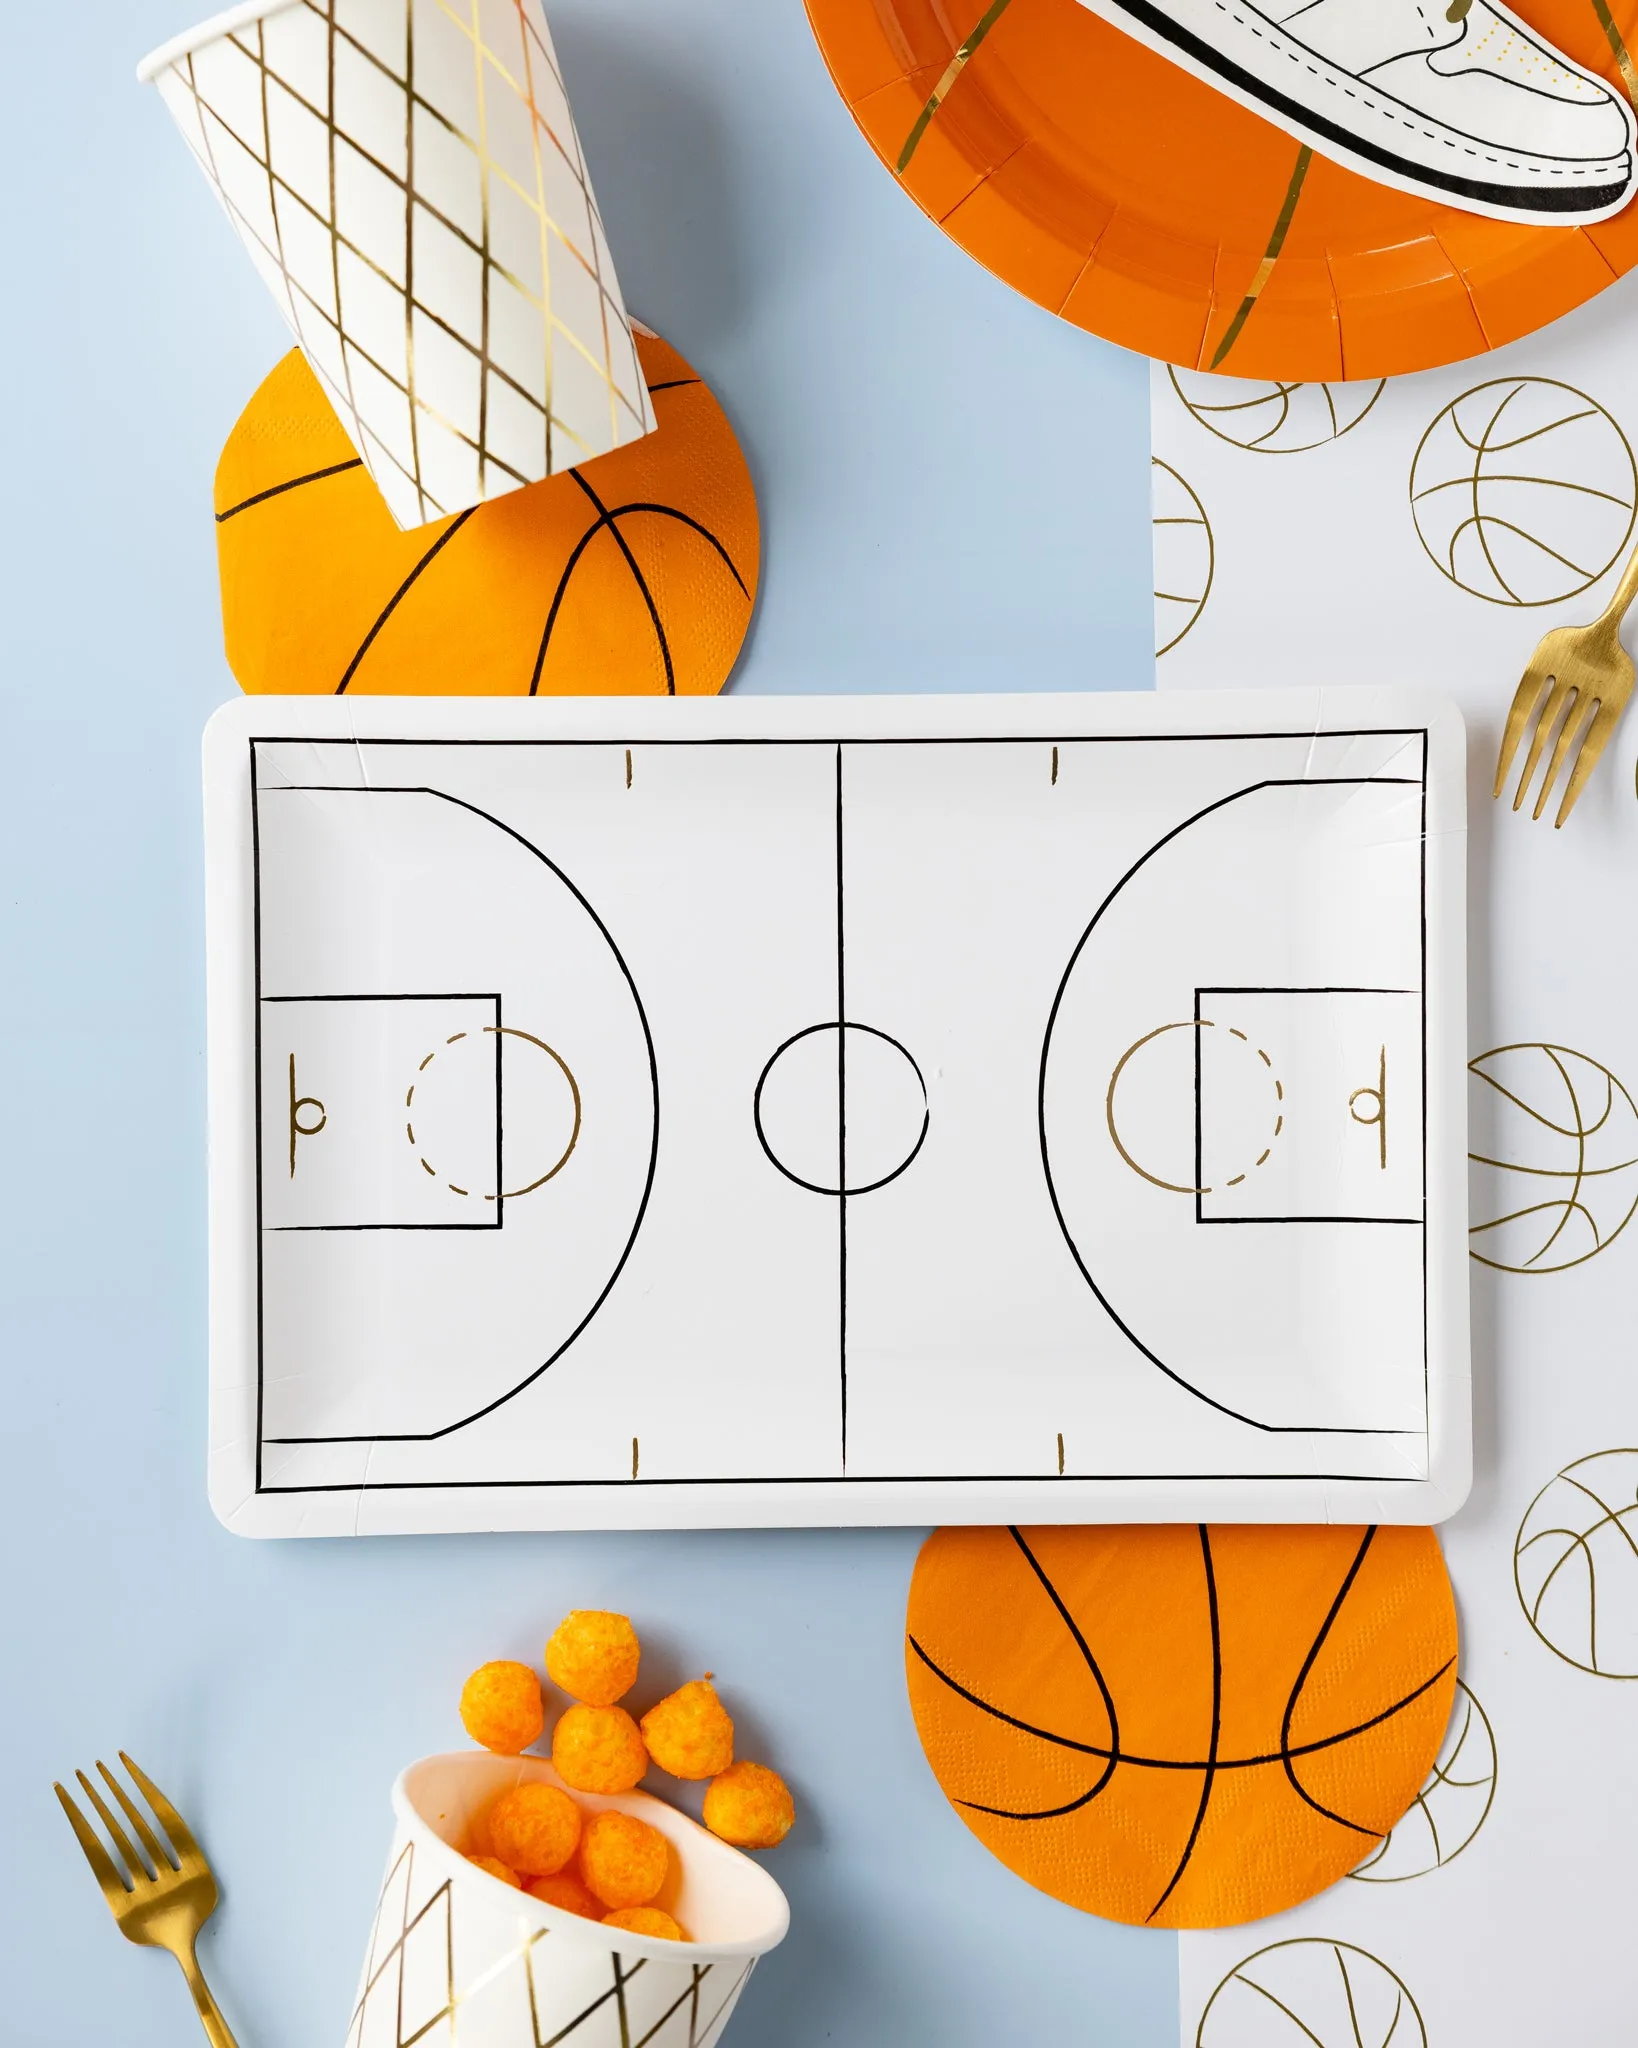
(1220, 803)
(1050, 1484)
(828, 740)
(448, 1429)
(1306, 735)
(1227, 1222)
(489, 996)
(841, 1098)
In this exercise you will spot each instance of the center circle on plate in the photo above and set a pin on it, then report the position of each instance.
(841, 1109)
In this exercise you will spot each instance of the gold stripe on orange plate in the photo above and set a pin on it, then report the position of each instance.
(1618, 43)
(952, 71)
(1276, 242)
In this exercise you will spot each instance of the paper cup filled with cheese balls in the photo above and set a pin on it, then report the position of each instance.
(535, 1897)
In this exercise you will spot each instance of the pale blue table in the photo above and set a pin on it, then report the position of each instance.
(954, 496)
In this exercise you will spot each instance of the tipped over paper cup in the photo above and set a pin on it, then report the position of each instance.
(456, 1955)
(407, 179)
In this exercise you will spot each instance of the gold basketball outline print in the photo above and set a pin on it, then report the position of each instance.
(1190, 1024)
(1578, 1175)
(1478, 519)
(1577, 1544)
(1197, 604)
(1271, 392)
(1442, 1775)
(497, 1031)
(1341, 1950)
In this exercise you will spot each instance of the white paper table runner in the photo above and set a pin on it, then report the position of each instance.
(1428, 532)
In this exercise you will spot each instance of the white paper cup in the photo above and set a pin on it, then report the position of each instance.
(407, 178)
(457, 1956)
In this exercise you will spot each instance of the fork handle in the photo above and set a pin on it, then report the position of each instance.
(1625, 591)
(217, 2030)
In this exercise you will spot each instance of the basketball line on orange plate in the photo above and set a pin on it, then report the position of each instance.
(1271, 255)
(313, 476)
(1286, 1755)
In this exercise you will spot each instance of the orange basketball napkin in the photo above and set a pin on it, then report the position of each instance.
(1181, 1726)
(633, 574)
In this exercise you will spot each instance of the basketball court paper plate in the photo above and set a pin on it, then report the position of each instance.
(816, 1111)
(1121, 192)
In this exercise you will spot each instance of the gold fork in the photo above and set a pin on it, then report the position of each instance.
(161, 1898)
(1582, 675)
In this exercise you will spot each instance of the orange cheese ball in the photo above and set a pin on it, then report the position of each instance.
(690, 1734)
(645, 1920)
(749, 1806)
(598, 1749)
(496, 1868)
(623, 1859)
(535, 1828)
(566, 1892)
(593, 1657)
(501, 1707)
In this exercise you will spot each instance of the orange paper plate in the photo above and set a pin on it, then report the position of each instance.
(1117, 190)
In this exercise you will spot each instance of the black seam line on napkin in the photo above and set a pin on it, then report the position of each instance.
(400, 594)
(1530, 198)
(605, 518)
(673, 384)
(1214, 1741)
(449, 1429)
(1167, 1763)
(1087, 1657)
(1373, 1479)
(828, 740)
(294, 483)
(608, 520)
(1308, 1664)
(1221, 803)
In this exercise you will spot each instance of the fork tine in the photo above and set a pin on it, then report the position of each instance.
(187, 1849)
(115, 1888)
(1538, 739)
(133, 1813)
(1604, 722)
(1577, 718)
(139, 1871)
(1525, 699)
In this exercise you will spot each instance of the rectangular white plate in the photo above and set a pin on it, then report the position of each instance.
(530, 1108)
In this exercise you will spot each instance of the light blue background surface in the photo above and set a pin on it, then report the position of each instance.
(954, 496)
